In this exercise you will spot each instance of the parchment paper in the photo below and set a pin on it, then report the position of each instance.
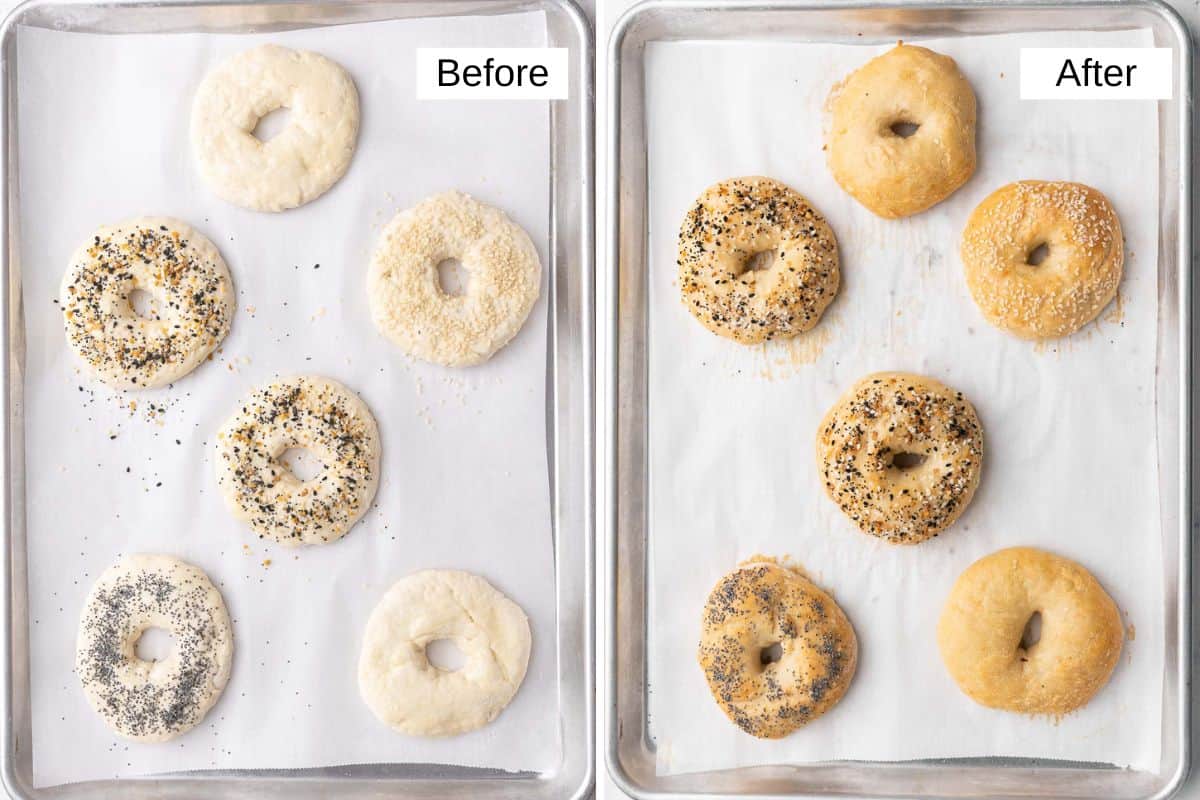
(1069, 426)
(103, 137)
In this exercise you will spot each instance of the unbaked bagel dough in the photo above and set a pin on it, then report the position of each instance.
(153, 701)
(306, 158)
(407, 301)
(405, 691)
(192, 293)
(308, 412)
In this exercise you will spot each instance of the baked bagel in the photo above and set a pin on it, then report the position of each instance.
(776, 650)
(901, 455)
(984, 644)
(756, 261)
(901, 132)
(1083, 256)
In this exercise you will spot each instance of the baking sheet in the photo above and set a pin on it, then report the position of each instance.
(1069, 425)
(104, 136)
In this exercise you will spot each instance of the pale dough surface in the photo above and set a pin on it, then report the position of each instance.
(192, 301)
(407, 301)
(982, 625)
(1081, 271)
(306, 158)
(309, 412)
(153, 701)
(890, 174)
(415, 697)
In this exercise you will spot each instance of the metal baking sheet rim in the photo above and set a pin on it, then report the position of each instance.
(613, 402)
(573, 368)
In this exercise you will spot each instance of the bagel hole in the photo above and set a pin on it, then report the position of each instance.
(302, 463)
(155, 644)
(144, 304)
(760, 261)
(1037, 255)
(445, 655)
(453, 277)
(906, 461)
(770, 654)
(271, 124)
(904, 128)
(1033, 631)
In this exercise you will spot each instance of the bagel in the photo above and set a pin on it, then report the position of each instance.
(301, 412)
(408, 304)
(984, 646)
(193, 302)
(759, 607)
(153, 701)
(1082, 267)
(411, 695)
(731, 229)
(901, 455)
(907, 90)
(307, 157)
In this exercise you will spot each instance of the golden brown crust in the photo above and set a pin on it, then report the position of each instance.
(731, 223)
(1082, 268)
(985, 616)
(891, 175)
(761, 604)
(894, 415)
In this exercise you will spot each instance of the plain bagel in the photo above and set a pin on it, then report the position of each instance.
(413, 696)
(306, 158)
(901, 132)
(981, 632)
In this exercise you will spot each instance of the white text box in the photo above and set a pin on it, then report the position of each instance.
(1095, 73)
(492, 73)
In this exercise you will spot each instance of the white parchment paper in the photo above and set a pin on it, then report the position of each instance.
(1069, 426)
(103, 137)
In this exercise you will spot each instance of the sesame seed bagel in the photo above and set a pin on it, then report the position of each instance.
(759, 607)
(308, 412)
(894, 175)
(982, 637)
(408, 303)
(901, 455)
(1084, 257)
(153, 701)
(192, 308)
(729, 228)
